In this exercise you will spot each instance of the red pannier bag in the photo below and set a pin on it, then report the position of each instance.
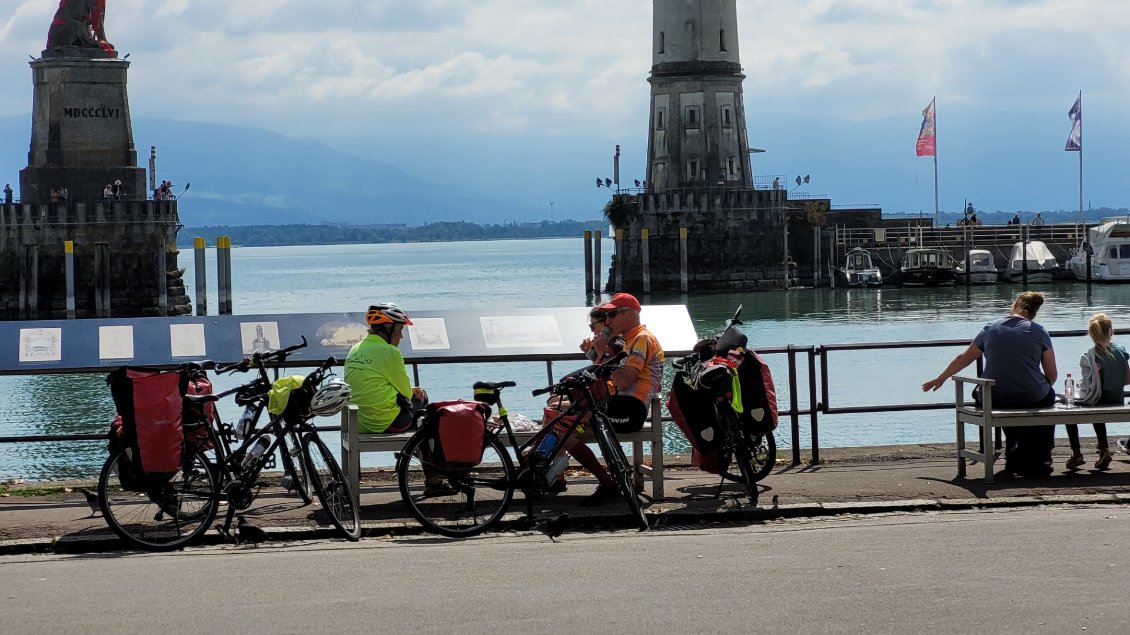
(461, 430)
(151, 409)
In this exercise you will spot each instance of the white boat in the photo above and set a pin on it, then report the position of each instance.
(982, 269)
(1109, 253)
(927, 267)
(1041, 264)
(859, 271)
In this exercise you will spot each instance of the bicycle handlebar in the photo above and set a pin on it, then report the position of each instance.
(586, 375)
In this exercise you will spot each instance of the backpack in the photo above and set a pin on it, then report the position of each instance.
(693, 411)
(153, 420)
(460, 431)
(759, 394)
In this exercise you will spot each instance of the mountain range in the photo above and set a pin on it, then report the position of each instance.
(998, 160)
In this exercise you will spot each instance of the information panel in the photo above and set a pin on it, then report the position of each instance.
(45, 346)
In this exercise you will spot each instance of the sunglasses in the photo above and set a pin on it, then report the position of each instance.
(593, 323)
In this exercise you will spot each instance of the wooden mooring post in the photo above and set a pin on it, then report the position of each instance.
(683, 276)
(645, 252)
(596, 262)
(588, 261)
(69, 267)
(198, 245)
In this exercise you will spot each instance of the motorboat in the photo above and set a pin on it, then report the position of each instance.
(859, 271)
(1041, 265)
(982, 268)
(927, 267)
(1108, 249)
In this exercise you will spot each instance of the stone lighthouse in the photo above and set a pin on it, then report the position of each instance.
(697, 132)
(701, 221)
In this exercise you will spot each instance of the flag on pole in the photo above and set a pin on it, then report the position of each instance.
(1075, 139)
(925, 146)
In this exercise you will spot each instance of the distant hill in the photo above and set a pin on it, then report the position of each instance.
(248, 176)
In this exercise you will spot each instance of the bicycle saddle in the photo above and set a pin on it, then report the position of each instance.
(492, 385)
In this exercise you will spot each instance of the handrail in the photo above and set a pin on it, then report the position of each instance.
(819, 386)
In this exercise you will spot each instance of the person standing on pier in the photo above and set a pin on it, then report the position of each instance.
(1020, 358)
(7, 193)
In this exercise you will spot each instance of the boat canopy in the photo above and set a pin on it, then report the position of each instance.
(916, 258)
(1037, 252)
(981, 259)
(859, 260)
(1115, 229)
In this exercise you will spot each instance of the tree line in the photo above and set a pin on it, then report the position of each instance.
(337, 234)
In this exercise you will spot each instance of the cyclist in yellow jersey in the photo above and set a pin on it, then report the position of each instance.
(385, 398)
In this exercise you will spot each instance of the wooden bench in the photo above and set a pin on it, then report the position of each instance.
(988, 418)
(354, 444)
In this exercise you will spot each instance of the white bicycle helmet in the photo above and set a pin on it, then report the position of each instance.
(387, 313)
(330, 398)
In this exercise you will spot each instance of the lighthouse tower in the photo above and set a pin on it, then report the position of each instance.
(697, 132)
(702, 221)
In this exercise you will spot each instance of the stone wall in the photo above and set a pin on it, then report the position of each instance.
(133, 234)
(735, 240)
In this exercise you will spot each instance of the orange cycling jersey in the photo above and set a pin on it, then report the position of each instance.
(646, 355)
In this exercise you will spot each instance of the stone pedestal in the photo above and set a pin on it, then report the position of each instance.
(81, 133)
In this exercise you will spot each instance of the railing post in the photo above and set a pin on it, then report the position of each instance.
(618, 266)
(794, 417)
(812, 405)
(162, 279)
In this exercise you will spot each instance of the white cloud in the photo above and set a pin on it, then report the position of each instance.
(351, 70)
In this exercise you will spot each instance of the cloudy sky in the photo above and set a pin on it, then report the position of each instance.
(529, 96)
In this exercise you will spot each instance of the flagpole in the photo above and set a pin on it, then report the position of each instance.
(933, 102)
(1082, 218)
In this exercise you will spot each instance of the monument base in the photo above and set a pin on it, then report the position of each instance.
(81, 135)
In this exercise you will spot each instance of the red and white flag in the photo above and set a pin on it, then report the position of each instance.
(926, 143)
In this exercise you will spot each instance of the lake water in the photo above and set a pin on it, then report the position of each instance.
(549, 273)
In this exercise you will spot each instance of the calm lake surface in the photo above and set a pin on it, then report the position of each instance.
(549, 273)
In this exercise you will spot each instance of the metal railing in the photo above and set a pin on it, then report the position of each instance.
(817, 362)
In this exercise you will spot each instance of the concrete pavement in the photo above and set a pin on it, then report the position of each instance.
(851, 480)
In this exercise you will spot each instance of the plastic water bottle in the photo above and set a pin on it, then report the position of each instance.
(1069, 391)
(556, 469)
(547, 443)
(243, 427)
(255, 451)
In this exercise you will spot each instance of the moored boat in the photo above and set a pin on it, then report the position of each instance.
(1108, 249)
(927, 267)
(859, 271)
(1036, 261)
(982, 269)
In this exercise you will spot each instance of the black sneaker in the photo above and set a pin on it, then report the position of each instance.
(603, 494)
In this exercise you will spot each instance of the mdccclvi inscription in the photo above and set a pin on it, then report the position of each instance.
(93, 113)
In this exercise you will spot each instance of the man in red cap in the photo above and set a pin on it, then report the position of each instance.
(637, 381)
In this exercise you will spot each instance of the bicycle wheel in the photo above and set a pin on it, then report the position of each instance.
(290, 449)
(329, 484)
(742, 455)
(764, 453)
(621, 471)
(454, 502)
(166, 516)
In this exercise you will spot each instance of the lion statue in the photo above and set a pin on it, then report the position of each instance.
(80, 23)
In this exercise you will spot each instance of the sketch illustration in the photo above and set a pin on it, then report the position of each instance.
(41, 345)
(428, 334)
(259, 337)
(520, 330)
(186, 340)
(115, 342)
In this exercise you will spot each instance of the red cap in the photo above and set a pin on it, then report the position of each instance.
(622, 301)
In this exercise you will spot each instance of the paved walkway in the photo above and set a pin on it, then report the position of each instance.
(855, 480)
